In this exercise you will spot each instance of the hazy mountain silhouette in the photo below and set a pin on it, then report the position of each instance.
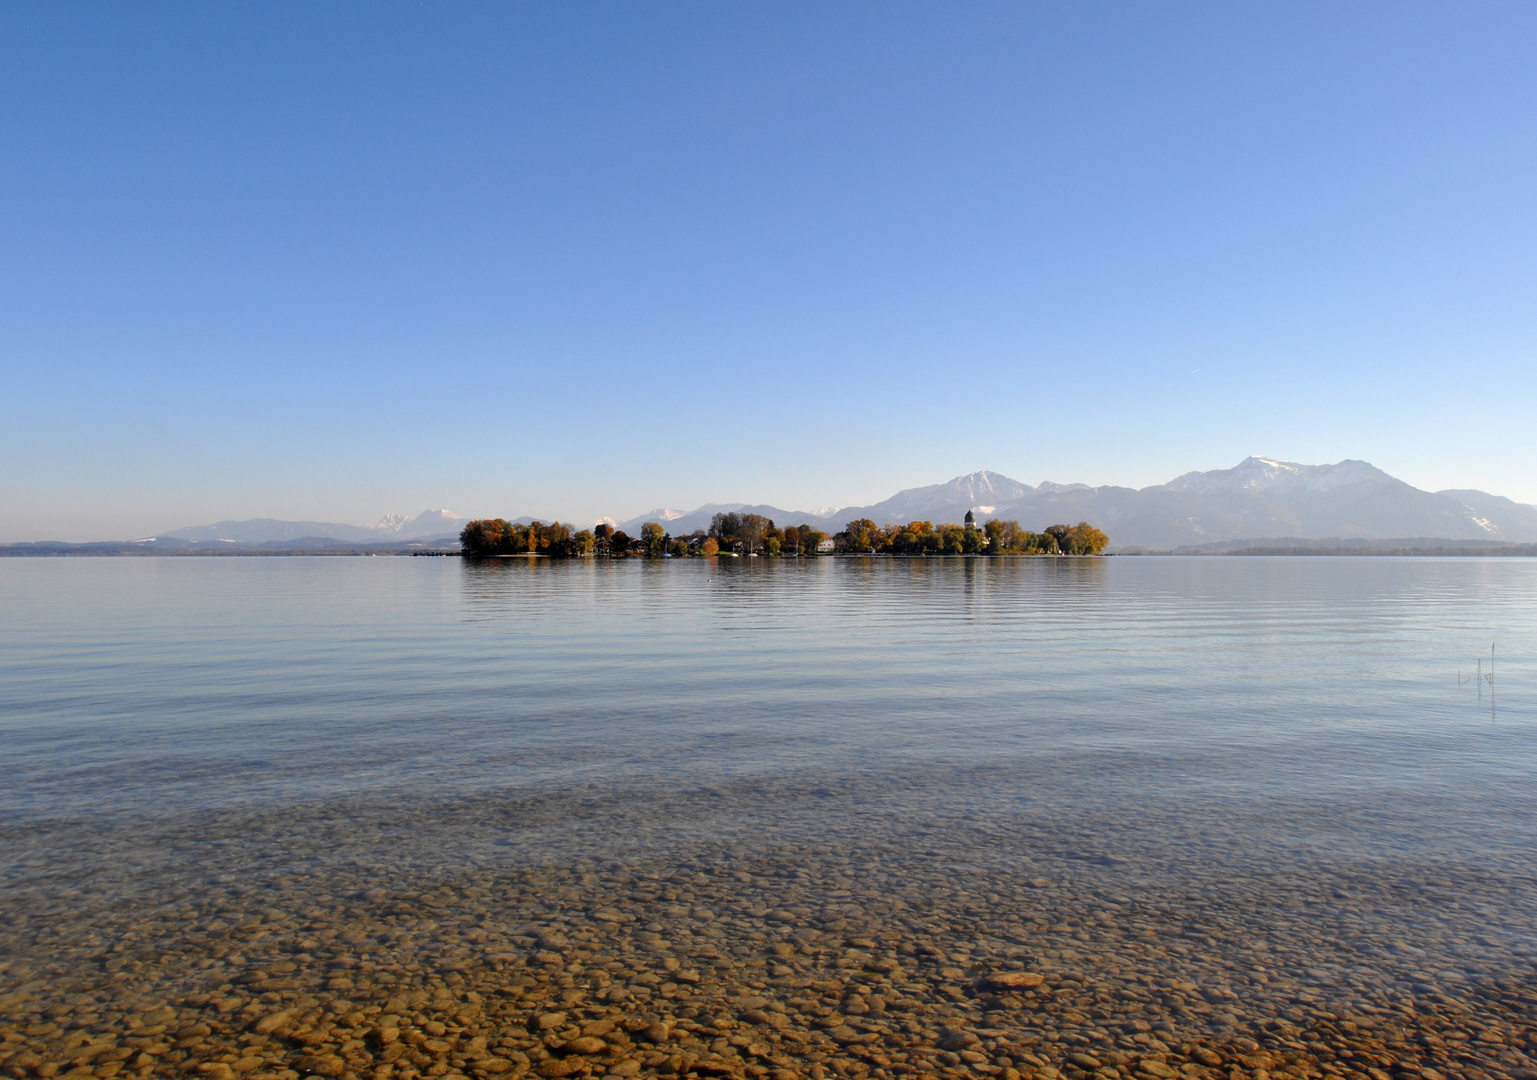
(1258, 499)
(264, 530)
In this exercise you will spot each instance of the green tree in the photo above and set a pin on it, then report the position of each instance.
(952, 539)
(652, 536)
(791, 540)
(995, 531)
(557, 540)
(1079, 539)
(585, 542)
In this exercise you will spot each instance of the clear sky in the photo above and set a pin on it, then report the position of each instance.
(336, 260)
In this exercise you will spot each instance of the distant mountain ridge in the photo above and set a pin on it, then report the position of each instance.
(1259, 498)
(268, 530)
(1264, 497)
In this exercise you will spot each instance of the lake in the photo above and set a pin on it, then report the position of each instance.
(403, 817)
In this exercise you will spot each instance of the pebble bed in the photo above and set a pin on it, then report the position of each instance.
(877, 928)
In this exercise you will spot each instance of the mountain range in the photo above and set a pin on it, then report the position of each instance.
(1260, 499)
(392, 527)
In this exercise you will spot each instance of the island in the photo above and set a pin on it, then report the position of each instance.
(755, 535)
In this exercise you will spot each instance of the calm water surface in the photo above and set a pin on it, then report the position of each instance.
(160, 686)
(1222, 733)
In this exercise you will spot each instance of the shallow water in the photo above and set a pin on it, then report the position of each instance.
(1220, 801)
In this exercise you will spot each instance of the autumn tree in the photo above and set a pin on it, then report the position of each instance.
(482, 537)
(754, 532)
(742, 531)
(1079, 539)
(864, 535)
(914, 538)
(1007, 538)
(496, 536)
(751, 530)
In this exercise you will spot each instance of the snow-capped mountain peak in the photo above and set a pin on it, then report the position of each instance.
(1259, 498)
(428, 522)
(1264, 474)
(432, 519)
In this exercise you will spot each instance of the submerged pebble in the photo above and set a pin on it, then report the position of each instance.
(578, 935)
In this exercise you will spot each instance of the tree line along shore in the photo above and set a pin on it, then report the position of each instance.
(754, 534)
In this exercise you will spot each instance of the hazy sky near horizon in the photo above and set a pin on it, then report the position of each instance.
(333, 261)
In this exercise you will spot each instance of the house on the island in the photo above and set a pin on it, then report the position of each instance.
(826, 547)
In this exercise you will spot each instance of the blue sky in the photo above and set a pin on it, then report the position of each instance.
(332, 261)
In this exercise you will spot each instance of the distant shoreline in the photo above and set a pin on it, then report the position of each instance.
(58, 550)
(1503, 551)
